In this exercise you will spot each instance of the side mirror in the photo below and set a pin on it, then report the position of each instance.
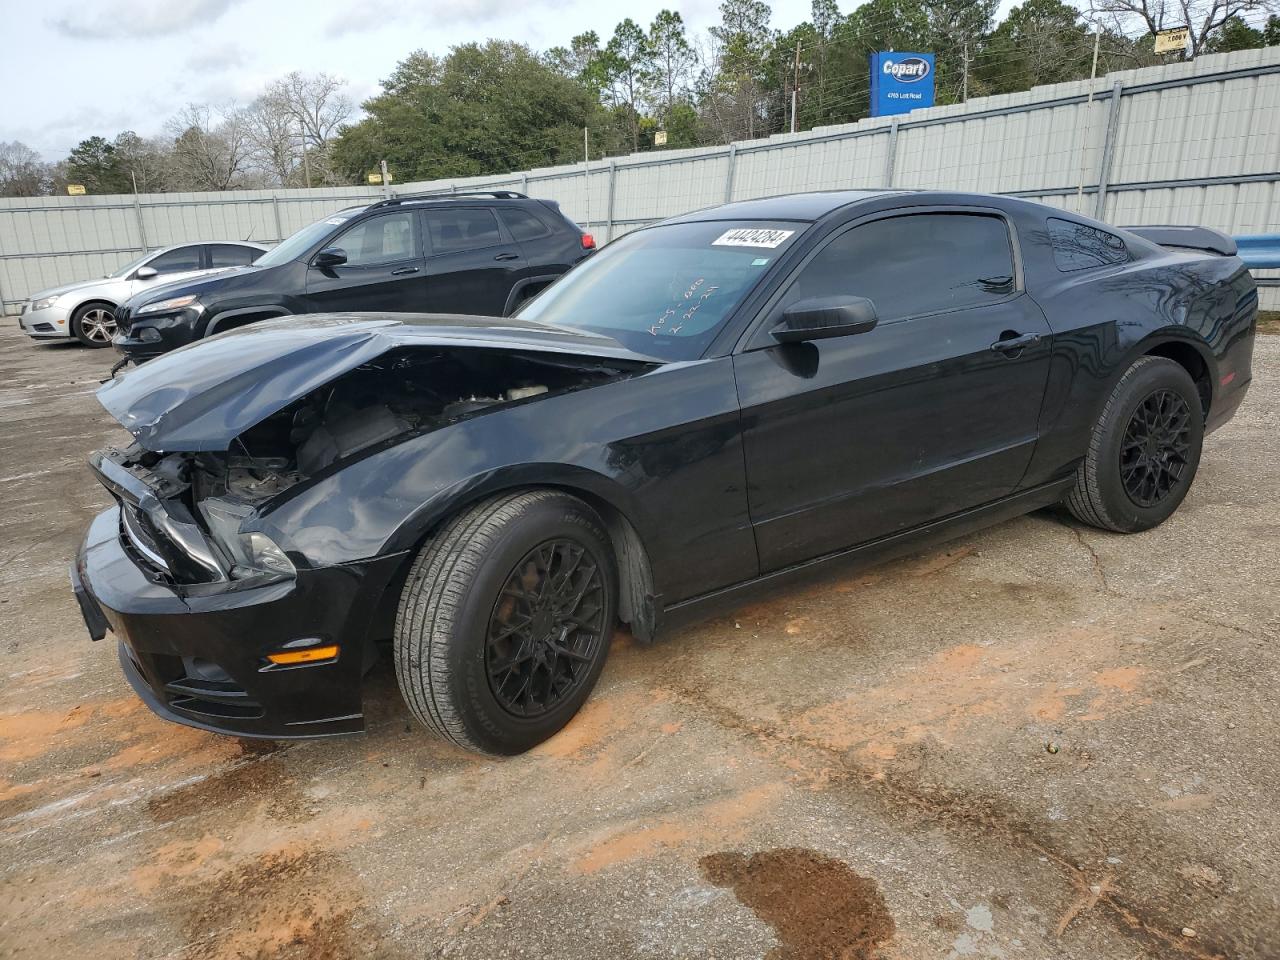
(330, 257)
(819, 318)
(144, 273)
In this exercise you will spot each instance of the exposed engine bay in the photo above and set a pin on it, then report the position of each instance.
(401, 394)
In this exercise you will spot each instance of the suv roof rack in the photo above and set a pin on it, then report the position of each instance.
(495, 194)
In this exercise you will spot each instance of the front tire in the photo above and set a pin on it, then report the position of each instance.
(1144, 450)
(94, 324)
(505, 621)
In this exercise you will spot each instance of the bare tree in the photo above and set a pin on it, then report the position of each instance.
(210, 146)
(298, 111)
(22, 172)
(273, 131)
(1202, 18)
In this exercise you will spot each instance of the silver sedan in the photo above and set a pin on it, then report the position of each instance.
(86, 310)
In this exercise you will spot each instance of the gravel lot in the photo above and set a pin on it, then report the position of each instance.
(1041, 741)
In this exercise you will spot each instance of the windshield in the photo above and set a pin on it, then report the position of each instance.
(130, 266)
(292, 247)
(666, 292)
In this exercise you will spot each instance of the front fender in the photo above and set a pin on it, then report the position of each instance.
(663, 449)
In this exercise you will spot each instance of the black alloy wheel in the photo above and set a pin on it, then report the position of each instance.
(1143, 450)
(545, 627)
(505, 620)
(1155, 450)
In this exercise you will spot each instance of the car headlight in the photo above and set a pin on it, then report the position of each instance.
(45, 303)
(164, 306)
(264, 554)
(249, 554)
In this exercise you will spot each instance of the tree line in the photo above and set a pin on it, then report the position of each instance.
(499, 106)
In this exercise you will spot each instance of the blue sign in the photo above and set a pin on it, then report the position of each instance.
(900, 82)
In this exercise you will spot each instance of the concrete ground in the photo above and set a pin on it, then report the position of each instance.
(1042, 741)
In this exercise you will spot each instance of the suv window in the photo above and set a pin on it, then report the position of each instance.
(383, 239)
(230, 255)
(468, 228)
(914, 264)
(1078, 246)
(176, 261)
(523, 224)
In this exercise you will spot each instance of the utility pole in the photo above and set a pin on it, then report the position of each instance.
(586, 171)
(386, 179)
(1093, 75)
(964, 85)
(795, 89)
(306, 163)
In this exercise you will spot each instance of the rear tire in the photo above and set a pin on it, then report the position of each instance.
(1144, 450)
(492, 652)
(94, 324)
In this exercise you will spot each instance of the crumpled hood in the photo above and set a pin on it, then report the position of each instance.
(203, 396)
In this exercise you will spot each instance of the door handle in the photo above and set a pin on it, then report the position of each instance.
(403, 270)
(507, 256)
(1016, 344)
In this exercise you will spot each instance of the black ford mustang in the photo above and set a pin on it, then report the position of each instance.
(708, 405)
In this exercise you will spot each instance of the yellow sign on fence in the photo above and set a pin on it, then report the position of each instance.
(1168, 41)
(377, 177)
(75, 189)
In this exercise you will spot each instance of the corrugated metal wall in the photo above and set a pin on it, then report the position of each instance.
(1194, 143)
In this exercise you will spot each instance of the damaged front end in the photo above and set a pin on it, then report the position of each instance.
(226, 620)
(190, 516)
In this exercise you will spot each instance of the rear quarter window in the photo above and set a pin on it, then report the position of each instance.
(523, 224)
(1078, 246)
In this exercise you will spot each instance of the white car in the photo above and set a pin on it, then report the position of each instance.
(86, 310)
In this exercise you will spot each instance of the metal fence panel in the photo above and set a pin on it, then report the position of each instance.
(1194, 142)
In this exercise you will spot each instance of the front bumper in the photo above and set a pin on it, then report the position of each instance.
(201, 660)
(148, 336)
(51, 323)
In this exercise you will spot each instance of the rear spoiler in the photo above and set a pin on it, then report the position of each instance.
(1188, 238)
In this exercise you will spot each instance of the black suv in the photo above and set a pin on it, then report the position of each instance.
(476, 253)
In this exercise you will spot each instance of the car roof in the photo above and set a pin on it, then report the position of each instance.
(791, 206)
(195, 243)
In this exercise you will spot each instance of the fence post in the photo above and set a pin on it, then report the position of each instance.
(891, 158)
(142, 228)
(1108, 151)
(275, 208)
(613, 182)
(3, 311)
(524, 184)
(728, 178)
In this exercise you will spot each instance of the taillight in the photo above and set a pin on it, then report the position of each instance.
(588, 242)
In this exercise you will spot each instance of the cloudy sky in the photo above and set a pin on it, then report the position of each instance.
(71, 69)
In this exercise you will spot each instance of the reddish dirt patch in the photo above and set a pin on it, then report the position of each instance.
(282, 905)
(817, 906)
(253, 781)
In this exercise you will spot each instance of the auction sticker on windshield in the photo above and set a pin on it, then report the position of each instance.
(751, 237)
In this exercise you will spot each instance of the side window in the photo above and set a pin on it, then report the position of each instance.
(466, 228)
(385, 239)
(176, 261)
(523, 224)
(1077, 246)
(914, 264)
(231, 255)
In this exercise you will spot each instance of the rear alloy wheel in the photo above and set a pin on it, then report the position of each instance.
(1144, 450)
(94, 325)
(505, 621)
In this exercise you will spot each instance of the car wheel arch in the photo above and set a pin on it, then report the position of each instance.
(1183, 348)
(639, 605)
(93, 302)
